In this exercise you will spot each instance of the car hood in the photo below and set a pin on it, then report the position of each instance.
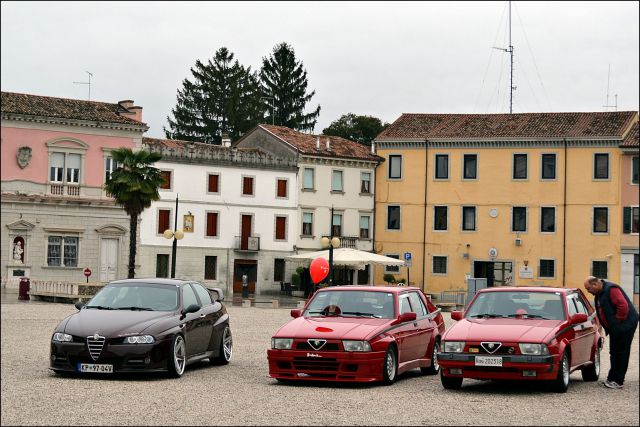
(350, 328)
(503, 330)
(112, 323)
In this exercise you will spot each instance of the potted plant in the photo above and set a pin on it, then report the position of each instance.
(389, 278)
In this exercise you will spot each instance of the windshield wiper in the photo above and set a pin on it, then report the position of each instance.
(358, 313)
(528, 316)
(324, 312)
(487, 315)
(99, 307)
(136, 308)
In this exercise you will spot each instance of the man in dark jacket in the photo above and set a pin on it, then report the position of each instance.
(619, 318)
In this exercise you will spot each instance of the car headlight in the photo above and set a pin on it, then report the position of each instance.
(139, 339)
(356, 345)
(61, 337)
(281, 343)
(453, 346)
(533, 349)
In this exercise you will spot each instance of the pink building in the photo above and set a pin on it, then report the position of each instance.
(629, 247)
(56, 217)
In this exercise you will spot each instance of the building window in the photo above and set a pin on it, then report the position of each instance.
(634, 169)
(213, 184)
(166, 180)
(62, 251)
(636, 273)
(162, 265)
(470, 167)
(547, 220)
(308, 182)
(392, 268)
(336, 181)
(440, 218)
(73, 168)
(109, 166)
(630, 219)
(519, 219)
(281, 190)
(393, 217)
(601, 166)
(278, 270)
(210, 267)
(442, 166)
(468, 218)
(548, 166)
(247, 186)
(547, 269)
(65, 166)
(57, 167)
(601, 220)
(336, 225)
(439, 265)
(519, 166)
(364, 226)
(281, 228)
(599, 269)
(365, 183)
(163, 220)
(395, 166)
(212, 224)
(307, 224)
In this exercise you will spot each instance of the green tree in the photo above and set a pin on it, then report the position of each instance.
(284, 89)
(224, 97)
(389, 278)
(134, 185)
(362, 129)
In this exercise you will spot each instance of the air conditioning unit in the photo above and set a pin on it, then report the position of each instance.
(518, 242)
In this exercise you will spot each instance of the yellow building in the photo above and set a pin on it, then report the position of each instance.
(523, 199)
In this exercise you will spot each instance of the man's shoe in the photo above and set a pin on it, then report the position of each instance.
(612, 384)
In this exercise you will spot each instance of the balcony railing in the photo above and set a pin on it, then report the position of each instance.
(247, 243)
(347, 241)
(64, 190)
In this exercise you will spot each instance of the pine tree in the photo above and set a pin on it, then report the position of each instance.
(224, 97)
(284, 89)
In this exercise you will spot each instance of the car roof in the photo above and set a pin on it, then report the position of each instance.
(549, 289)
(392, 289)
(151, 281)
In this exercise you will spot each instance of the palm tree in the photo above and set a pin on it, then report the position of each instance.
(134, 185)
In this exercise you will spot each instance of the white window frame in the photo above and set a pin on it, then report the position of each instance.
(206, 222)
(303, 223)
(401, 158)
(526, 219)
(368, 228)
(362, 173)
(475, 219)
(513, 167)
(253, 186)
(286, 227)
(593, 167)
(555, 168)
(435, 166)
(339, 172)
(313, 179)
(593, 221)
(555, 220)
(278, 179)
(62, 235)
(219, 183)
(433, 225)
(477, 166)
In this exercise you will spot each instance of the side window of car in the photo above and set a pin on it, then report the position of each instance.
(581, 307)
(571, 303)
(404, 304)
(417, 304)
(188, 296)
(205, 297)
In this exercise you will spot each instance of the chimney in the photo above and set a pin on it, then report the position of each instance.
(328, 144)
(317, 143)
(226, 140)
(132, 110)
(138, 113)
(126, 104)
(373, 147)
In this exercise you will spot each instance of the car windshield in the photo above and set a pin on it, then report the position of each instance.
(520, 304)
(351, 304)
(135, 296)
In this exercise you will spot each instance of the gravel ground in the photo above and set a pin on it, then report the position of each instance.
(241, 393)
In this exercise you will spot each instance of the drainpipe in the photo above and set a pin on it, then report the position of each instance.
(373, 222)
(424, 221)
(564, 227)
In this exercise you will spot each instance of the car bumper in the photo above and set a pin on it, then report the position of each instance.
(67, 357)
(514, 367)
(326, 366)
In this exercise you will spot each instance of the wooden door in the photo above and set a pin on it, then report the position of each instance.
(248, 267)
(246, 232)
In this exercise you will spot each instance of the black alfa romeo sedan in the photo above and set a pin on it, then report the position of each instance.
(144, 325)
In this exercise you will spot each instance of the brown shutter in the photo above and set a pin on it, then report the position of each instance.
(213, 183)
(163, 220)
(212, 224)
(282, 188)
(166, 178)
(247, 187)
(280, 227)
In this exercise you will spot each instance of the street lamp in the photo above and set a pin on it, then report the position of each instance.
(330, 242)
(176, 235)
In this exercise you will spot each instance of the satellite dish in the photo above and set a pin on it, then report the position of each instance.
(493, 253)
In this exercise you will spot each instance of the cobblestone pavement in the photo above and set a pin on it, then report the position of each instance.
(241, 393)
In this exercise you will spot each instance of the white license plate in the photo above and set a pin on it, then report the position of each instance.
(488, 361)
(99, 368)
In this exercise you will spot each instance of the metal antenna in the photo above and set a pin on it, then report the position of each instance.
(606, 106)
(86, 83)
(273, 108)
(510, 51)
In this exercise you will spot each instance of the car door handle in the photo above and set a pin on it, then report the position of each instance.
(202, 315)
(415, 324)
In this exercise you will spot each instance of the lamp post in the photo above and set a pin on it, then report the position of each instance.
(176, 235)
(330, 242)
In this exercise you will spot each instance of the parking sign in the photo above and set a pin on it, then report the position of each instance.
(407, 256)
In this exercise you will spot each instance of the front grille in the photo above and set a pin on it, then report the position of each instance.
(330, 346)
(312, 364)
(478, 349)
(95, 344)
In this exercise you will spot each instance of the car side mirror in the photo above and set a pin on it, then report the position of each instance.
(79, 304)
(578, 318)
(457, 315)
(191, 309)
(295, 313)
(406, 317)
(220, 294)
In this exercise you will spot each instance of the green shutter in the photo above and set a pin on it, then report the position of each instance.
(626, 228)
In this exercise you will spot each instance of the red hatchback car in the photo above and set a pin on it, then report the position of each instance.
(523, 333)
(358, 334)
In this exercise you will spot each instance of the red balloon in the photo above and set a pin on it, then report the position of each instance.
(319, 269)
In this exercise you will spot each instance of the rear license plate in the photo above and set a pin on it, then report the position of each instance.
(99, 368)
(488, 361)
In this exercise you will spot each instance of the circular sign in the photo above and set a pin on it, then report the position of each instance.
(87, 272)
(493, 213)
(493, 252)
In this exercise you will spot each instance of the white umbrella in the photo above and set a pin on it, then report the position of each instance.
(352, 258)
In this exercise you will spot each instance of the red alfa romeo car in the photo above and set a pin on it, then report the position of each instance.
(358, 334)
(523, 333)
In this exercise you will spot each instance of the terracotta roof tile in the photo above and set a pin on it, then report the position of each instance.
(527, 125)
(176, 143)
(306, 144)
(631, 140)
(46, 106)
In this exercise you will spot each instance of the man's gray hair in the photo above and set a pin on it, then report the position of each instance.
(591, 279)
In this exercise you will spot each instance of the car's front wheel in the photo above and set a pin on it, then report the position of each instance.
(450, 383)
(561, 383)
(226, 348)
(390, 366)
(592, 372)
(177, 356)
(435, 366)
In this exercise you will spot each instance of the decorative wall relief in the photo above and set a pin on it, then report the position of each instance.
(24, 156)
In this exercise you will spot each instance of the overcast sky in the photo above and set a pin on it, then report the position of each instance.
(368, 58)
